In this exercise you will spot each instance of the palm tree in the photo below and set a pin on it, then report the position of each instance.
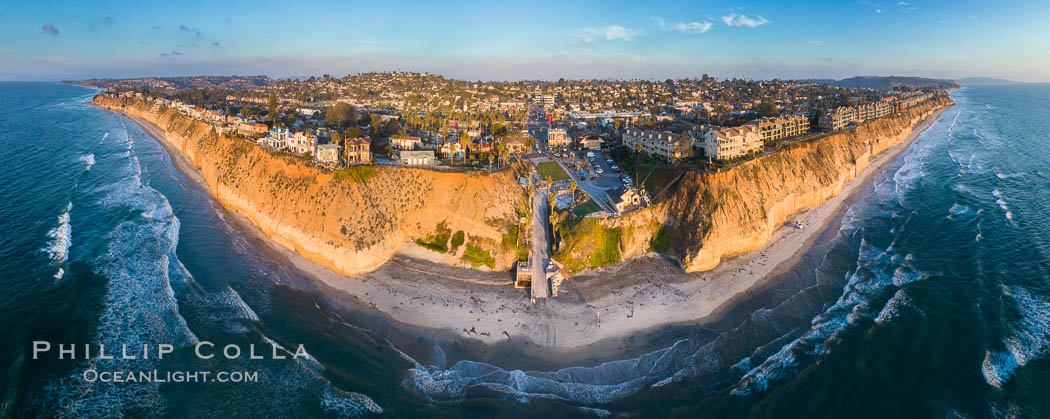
(637, 156)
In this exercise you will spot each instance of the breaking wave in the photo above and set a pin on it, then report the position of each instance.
(88, 160)
(61, 239)
(1028, 339)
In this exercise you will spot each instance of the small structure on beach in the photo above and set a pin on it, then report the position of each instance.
(523, 274)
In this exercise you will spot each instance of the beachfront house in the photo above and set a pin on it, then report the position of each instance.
(358, 151)
(301, 143)
(327, 154)
(406, 143)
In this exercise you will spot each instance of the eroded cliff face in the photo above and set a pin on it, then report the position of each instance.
(350, 224)
(710, 216)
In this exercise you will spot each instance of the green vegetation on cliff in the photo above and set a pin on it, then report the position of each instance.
(588, 244)
(438, 240)
(355, 174)
(477, 256)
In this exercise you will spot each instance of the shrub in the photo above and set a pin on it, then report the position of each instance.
(355, 174)
(457, 239)
(438, 240)
(478, 256)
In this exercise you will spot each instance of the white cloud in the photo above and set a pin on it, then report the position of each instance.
(815, 43)
(684, 27)
(737, 20)
(608, 33)
(878, 11)
(903, 3)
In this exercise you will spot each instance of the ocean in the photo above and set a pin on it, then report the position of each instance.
(929, 297)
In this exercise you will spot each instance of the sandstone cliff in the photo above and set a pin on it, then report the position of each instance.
(710, 216)
(350, 221)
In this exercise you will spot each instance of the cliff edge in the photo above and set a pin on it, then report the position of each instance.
(709, 216)
(353, 220)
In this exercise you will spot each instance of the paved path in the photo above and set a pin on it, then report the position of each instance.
(540, 246)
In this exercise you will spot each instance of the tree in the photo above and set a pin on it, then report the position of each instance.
(337, 138)
(467, 143)
(340, 115)
(353, 132)
(768, 108)
(271, 108)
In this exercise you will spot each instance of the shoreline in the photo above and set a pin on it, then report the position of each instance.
(608, 314)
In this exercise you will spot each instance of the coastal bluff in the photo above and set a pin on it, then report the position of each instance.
(352, 221)
(709, 216)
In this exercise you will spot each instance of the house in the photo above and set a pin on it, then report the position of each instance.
(327, 154)
(358, 151)
(624, 198)
(406, 143)
(276, 140)
(591, 142)
(517, 143)
(252, 128)
(452, 150)
(301, 143)
(417, 158)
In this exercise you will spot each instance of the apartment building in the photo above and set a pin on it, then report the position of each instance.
(841, 117)
(730, 143)
(775, 128)
(666, 145)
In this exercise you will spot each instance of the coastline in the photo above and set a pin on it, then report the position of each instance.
(602, 315)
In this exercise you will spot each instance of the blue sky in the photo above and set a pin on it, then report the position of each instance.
(516, 40)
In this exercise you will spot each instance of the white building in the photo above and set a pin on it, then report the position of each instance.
(417, 158)
(558, 138)
(730, 143)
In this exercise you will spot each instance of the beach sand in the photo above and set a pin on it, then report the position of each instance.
(607, 314)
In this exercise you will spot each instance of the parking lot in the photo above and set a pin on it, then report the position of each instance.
(597, 174)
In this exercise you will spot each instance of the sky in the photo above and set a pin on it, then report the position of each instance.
(55, 40)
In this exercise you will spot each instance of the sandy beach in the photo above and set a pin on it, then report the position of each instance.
(599, 315)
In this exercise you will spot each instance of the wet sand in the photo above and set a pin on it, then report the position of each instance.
(613, 313)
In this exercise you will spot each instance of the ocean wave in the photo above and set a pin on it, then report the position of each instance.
(61, 239)
(871, 278)
(601, 384)
(88, 160)
(138, 306)
(1028, 339)
(957, 210)
(893, 307)
(998, 194)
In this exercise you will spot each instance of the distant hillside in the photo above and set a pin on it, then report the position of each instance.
(888, 82)
(171, 84)
(979, 81)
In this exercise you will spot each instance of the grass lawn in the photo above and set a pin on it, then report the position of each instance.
(586, 208)
(552, 170)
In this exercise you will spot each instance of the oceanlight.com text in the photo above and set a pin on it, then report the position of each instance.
(154, 376)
